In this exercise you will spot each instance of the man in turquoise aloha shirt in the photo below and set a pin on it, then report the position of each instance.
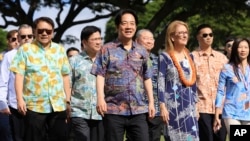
(86, 123)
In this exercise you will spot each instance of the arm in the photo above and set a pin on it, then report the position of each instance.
(21, 105)
(101, 103)
(162, 67)
(149, 91)
(5, 72)
(67, 90)
(3, 98)
(66, 84)
(219, 99)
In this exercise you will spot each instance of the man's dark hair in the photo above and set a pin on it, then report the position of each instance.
(88, 31)
(72, 49)
(119, 15)
(200, 27)
(229, 39)
(45, 19)
(11, 33)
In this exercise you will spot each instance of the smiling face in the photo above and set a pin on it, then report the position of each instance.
(127, 27)
(146, 39)
(44, 33)
(93, 43)
(243, 50)
(180, 36)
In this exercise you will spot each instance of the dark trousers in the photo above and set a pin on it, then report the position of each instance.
(45, 126)
(5, 132)
(206, 132)
(87, 130)
(17, 125)
(135, 126)
(155, 127)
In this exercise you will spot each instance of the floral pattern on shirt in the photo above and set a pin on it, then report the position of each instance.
(43, 71)
(124, 72)
(236, 93)
(208, 67)
(83, 99)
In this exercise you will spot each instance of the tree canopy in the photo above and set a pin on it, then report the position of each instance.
(3, 40)
(12, 12)
(229, 17)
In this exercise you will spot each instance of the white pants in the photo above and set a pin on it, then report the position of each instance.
(229, 121)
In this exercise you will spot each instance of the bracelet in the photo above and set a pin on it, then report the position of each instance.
(68, 102)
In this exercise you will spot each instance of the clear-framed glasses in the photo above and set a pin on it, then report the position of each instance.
(181, 33)
(96, 39)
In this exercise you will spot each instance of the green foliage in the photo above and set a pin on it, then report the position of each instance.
(228, 18)
(3, 43)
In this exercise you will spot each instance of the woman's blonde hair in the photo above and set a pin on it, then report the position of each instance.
(169, 45)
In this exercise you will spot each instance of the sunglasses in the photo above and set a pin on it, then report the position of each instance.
(13, 39)
(25, 36)
(229, 45)
(48, 31)
(205, 35)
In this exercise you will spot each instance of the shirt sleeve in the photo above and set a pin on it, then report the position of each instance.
(65, 66)
(162, 67)
(4, 78)
(18, 64)
(3, 105)
(101, 62)
(221, 87)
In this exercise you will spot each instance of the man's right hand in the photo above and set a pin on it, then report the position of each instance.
(21, 107)
(101, 107)
(5, 111)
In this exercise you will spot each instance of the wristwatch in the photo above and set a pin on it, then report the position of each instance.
(68, 102)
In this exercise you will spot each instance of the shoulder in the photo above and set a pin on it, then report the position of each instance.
(112, 44)
(220, 56)
(164, 56)
(195, 52)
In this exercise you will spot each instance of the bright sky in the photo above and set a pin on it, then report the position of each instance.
(75, 30)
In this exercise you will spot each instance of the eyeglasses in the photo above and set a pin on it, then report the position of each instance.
(148, 38)
(48, 31)
(96, 39)
(229, 45)
(24, 36)
(13, 39)
(181, 33)
(206, 34)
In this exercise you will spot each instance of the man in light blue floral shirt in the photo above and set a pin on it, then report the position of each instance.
(86, 122)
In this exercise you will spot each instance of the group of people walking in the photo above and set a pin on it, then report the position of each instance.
(121, 90)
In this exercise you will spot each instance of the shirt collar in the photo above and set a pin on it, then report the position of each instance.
(203, 53)
(119, 44)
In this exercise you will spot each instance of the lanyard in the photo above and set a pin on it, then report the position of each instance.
(245, 78)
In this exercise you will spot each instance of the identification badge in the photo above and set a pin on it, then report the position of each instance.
(247, 105)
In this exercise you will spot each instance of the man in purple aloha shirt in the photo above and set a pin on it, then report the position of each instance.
(124, 72)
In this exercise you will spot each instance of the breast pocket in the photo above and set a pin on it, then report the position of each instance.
(136, 64)
(114, 82)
